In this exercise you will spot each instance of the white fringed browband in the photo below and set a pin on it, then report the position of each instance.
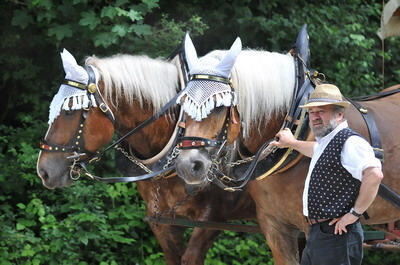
(203, 95)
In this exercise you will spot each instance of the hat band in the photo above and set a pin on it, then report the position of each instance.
(323, 100)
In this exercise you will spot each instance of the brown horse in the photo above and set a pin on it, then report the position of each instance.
(133, 88)
(264, 83)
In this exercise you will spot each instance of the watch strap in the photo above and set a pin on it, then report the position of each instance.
(353, 212)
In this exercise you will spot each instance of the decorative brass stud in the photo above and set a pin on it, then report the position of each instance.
(92, 88)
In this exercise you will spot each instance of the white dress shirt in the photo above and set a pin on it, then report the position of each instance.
(357, 155)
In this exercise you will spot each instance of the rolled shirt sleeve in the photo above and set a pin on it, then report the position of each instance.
(358, 155)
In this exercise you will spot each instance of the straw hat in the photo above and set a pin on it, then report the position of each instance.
(325, 94)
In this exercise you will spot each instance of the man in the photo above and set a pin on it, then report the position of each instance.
(342, 181)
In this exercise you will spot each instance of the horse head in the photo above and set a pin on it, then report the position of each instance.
(111, 94)
(74, 118)
(244, 111)
(209, 88)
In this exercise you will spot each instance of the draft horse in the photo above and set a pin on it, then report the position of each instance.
(129, 90)
(264, 84)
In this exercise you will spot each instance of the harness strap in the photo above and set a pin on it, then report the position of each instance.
(92, 89)
(373, 131)
(384, 191)
(379, 95)
(128, 179)
(45, 146)
(211, 77)
(189, 142)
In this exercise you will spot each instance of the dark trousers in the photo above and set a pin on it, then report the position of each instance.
(323, 247)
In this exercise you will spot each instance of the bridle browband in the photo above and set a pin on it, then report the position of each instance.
(214, 78)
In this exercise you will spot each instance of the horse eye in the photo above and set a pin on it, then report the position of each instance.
(218, 109)
(69, 112)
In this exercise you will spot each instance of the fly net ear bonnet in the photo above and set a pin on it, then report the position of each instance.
(209, 86)
(66, 93)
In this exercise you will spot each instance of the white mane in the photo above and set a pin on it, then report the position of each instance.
(264, 82)
(137, 78)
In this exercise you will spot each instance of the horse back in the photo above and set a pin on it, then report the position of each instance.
(386, 113)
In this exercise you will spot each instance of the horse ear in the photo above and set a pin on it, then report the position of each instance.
(68, 59)
(226, 64)
(190, 53)
(72, 70)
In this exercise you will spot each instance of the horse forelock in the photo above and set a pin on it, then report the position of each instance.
(264, 82)
(136, 78)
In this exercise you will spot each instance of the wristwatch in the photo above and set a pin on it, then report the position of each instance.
(353, 212)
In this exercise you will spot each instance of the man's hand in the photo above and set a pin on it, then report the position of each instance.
(342, 222)
(284, 139)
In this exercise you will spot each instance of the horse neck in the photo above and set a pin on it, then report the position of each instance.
(150, 140)
(264, 82)
(261, 132)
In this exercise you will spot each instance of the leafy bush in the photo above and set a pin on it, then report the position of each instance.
(94, 223)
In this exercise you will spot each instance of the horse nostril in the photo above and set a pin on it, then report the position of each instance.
(197, 166)
(43, 174)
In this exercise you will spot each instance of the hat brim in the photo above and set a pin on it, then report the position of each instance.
(320, 103)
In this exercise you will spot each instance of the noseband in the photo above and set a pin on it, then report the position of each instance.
(76, 144)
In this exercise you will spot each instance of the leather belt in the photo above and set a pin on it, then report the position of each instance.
(312, 221)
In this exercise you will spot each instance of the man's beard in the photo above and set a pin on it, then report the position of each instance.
(324, 130)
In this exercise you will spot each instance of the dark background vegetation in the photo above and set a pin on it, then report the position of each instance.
(93, 223)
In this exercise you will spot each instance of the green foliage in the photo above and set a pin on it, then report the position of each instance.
(238, 248)
(92, 223)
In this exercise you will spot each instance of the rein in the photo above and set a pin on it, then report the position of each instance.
(76, 144)
(294, 120)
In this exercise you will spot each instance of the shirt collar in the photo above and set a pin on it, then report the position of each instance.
(338, 128)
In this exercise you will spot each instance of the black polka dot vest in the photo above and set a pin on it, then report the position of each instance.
(332, 191)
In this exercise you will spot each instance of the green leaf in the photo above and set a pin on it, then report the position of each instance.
(20, 227)
(108, 11)
(105, 39)
(21, 205)
(140, 29)
(134, 15)
(60, 31)
(89, 19)
(27, 251)
(120, 30)
(151, 3)
(21, 19)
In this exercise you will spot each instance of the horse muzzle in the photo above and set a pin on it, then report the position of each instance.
(193, 166)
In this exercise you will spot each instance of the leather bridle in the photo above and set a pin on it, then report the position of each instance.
(76, 144)
(191, 142)
(80, 156)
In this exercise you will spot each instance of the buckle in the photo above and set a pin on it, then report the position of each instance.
(103, 107)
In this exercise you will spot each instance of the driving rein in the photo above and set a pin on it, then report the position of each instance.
(81, 156)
